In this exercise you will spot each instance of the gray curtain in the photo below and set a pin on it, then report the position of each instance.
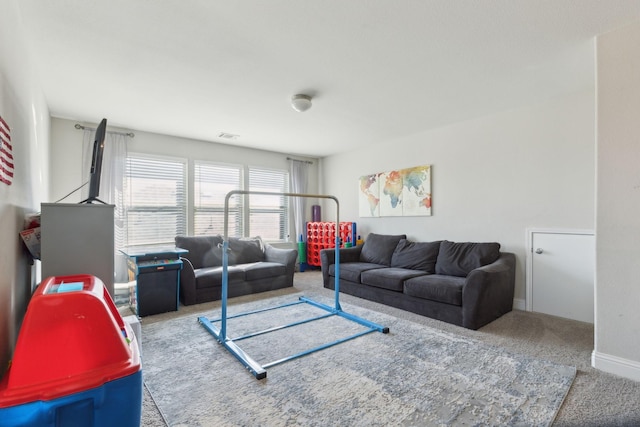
(111, 187)
(299, 175)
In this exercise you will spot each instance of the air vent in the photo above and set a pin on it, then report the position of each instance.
(229, 136)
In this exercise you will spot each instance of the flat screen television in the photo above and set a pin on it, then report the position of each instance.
(96, 164)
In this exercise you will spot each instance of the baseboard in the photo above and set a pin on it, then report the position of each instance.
(519, 304)
(616, 365)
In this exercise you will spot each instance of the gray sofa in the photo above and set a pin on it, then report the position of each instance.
(466, 284)
(253, 266)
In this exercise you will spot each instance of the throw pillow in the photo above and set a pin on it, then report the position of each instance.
(202, 250)
(458, 259)
(245, 250)
(416, 255)
(378, 248)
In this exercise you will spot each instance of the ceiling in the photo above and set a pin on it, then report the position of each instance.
(377, 70)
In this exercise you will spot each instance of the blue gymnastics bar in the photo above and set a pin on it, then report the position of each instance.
(220, 333)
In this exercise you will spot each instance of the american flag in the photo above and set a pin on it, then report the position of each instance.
(6, 157)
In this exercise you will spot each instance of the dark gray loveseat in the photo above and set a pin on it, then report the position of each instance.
(467, 284)
(253, 267)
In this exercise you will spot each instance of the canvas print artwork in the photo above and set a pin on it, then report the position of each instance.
(403, 192)
(391, 193)
(369, 196)
(416, 191)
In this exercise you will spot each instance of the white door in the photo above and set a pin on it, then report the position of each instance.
(561, 276)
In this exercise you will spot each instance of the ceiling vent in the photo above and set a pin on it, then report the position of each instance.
(229, 136)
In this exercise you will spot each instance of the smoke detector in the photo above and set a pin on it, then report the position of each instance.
(301, 102)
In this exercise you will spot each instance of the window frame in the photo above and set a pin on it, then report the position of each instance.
(239, 224)
(284, 210)
(190, 210)
(141, 208)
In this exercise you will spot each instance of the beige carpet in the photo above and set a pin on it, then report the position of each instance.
(595, 398)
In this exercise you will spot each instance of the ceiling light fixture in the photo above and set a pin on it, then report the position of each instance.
(301, 102)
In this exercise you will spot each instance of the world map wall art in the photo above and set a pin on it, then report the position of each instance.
(404, 192)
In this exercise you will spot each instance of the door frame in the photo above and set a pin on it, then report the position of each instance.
(529, 257)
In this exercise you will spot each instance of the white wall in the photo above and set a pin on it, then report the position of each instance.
(617, 332)
(66, 156)
(23, 108)
(492, 177)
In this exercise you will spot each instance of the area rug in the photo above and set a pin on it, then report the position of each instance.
(412, 376)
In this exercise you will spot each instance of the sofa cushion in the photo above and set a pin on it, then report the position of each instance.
(245, 250)
(416, 255)
(261, 270)
(434, 287)
(351, 271)
(203, 250)
(208, 277)
(389, 278)
(458, 259)
(378, 248)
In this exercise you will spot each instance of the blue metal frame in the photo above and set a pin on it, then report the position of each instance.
(258, 370)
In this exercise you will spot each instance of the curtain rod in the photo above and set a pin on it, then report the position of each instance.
(129, 134)
(309, 162)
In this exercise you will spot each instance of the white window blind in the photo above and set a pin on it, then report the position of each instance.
(269, 215)
(155, 200)
(211, 184)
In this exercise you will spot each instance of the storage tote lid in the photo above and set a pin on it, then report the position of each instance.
(72, 339)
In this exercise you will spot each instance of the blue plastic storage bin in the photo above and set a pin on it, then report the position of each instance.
(76, 361)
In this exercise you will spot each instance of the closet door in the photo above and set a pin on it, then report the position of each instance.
(561, 274)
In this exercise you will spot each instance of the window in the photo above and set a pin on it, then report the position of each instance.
(155, 200)
(156, 205)
(211, 184)
(268, 215)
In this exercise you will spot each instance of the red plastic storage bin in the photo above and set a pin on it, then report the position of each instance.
(76, 361)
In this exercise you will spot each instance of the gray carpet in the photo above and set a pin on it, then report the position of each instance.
(595, 398)
(414, 375)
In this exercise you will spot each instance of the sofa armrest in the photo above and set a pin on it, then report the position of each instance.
(328, 257)
(488, 292)
(287, 257)
(187, 282)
